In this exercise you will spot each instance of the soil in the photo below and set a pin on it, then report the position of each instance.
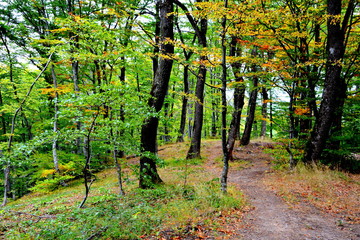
(270, 216)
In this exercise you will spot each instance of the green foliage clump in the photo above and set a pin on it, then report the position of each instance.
(50, 184)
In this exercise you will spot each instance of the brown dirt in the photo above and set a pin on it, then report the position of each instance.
(271, 217)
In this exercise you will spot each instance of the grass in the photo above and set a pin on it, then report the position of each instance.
(140, 214)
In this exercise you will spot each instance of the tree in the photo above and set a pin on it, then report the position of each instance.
(200, 31)
(245, 139)
(265, 98)
(335, 87)
(184, 106)
(148, 171)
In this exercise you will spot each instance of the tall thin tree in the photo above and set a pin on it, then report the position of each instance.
(148, 170)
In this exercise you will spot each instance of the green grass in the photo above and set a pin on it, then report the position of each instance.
(107, 215)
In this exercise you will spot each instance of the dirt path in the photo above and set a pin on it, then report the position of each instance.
(271, 217)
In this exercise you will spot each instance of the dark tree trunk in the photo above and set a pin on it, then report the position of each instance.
(313, 77)
(335, 87)
(117, 155)
(292, 119)
(214, 119)
(89, 178)
(265, 98)
(195, 146)
(214, 113)
(224, 174)
(190, 120)
(305, 118)
(194, 150)
(184, 105)
(239, 95)
(148, 171)
(3, 120)
(245, 139)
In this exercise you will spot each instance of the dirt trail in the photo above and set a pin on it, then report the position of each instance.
(271, 217)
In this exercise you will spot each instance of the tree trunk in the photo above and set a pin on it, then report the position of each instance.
(118, 169)
(88, 176)
(214, 113)
(148, 171)
(3, 120)
(194, 150)
(195, 146)
(214, 119)
(245, 139)
(225, 170)
(55, 123)
(184, 105)
(314, 77)
(335, 87)
(239, 95)
(265, 99)
(292, 120)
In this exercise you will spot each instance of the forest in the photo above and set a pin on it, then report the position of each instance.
(89, 86)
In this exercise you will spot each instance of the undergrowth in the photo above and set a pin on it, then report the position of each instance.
(136, 215)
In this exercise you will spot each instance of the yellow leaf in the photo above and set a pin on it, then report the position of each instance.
(47, 172)
(60, 30)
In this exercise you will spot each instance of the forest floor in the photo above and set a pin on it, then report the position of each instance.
(303, 204)
(294, 214)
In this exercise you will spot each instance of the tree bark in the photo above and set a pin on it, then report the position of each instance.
(245, 139)
(88, 176)
(55, 122)
(225, 170)
(184, 105)
(118, 169)
(239, 95)
(148, 171)
(334, 91)
(265, 98)
(195, 145)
